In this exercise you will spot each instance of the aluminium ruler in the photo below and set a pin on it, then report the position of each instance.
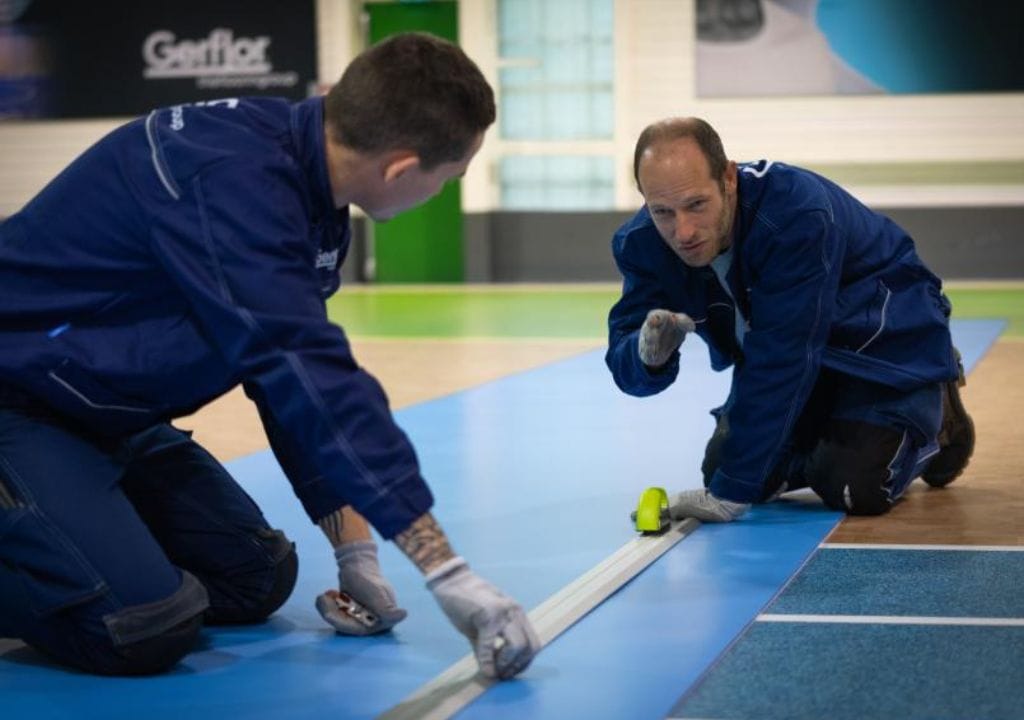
(461, 683)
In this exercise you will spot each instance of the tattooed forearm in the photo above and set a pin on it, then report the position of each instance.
(344, 525)
(332, 526)
(425, 543)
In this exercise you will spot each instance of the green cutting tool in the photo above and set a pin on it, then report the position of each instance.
(651, 516)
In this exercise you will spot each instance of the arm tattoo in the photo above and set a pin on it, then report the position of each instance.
(332, 526)
(425, 543)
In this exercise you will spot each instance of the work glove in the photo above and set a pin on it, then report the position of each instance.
(704, 506)
(661, 334)
(364, 603)
(502, 637)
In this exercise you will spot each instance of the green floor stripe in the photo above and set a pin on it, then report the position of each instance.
(451, 312)
(499, 313)
(1005, 303)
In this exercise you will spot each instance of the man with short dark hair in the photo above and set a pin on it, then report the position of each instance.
(185, 253)
(844, 379)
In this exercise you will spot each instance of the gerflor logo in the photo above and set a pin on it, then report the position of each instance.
(221, 53)
(219, 60)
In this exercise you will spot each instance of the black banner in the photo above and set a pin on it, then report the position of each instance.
(113, 58)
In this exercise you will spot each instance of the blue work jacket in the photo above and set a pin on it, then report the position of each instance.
(820, 279)
(185, 253)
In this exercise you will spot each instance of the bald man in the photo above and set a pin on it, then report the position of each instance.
(845, 379)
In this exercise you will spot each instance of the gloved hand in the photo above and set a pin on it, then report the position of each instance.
(704, 506)
(662, 332)
(502, 637)
(375, 608)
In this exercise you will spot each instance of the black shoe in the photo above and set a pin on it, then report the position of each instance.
(956, 436)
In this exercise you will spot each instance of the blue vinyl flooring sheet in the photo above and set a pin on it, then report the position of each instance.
(534, 476)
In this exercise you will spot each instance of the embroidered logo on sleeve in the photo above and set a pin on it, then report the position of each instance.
(327, 259)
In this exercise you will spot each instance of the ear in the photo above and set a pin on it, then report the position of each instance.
(729, 176)
(399, 163)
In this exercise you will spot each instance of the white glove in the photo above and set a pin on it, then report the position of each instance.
(661, 334)
(704, 506)
(501, 635)
(366, 603)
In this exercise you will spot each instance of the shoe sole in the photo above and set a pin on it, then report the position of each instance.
(965, 421)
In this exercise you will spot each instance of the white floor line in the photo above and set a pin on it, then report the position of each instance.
(460, 684)
(895, 546)
(891, 620)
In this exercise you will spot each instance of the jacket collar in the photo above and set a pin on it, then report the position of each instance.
(307, 126)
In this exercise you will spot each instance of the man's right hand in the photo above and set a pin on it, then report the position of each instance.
(661, 334)
(366, 603)
(503, 639)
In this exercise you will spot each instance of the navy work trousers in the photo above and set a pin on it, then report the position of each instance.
(857, 444)
(107, 544)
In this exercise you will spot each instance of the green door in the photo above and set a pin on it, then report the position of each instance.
(423, 244)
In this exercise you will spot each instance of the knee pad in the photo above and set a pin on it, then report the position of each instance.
(849, 468)
(252, 596)
(158, 653)
(285, 574)
(144, 639)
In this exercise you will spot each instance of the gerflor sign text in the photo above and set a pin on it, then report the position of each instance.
(220, 60)
(219, 54)
(121, 57)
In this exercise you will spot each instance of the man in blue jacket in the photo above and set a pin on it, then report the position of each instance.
(185, 253)
(844, 375)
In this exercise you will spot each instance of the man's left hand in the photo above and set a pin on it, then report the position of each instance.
(704, 506)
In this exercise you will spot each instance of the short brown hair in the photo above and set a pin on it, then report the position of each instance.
(682, 127)
(411, 91)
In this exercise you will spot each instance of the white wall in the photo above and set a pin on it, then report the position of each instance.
(655, 52)
(655, 78)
